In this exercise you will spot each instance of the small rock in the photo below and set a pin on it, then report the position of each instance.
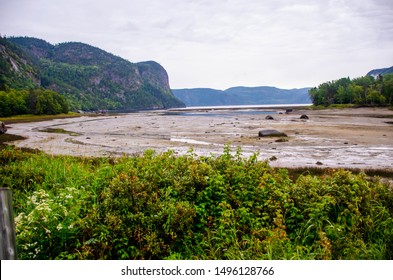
(319, 163)
(304, 117)
(268, 117)
(271, 133)
(3, 128)
(288, 111)
(273, 158)
(280, 140)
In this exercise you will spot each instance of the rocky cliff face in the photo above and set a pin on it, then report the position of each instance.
(92, 79)
(16, 68)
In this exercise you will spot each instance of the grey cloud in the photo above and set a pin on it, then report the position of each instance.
(244, 41)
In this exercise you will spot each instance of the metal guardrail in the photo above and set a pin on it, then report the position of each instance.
(7, 226)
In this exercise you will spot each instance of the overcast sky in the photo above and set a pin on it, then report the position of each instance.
(221, 43)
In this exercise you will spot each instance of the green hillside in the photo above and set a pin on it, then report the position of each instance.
(382, 71)
(88, 77)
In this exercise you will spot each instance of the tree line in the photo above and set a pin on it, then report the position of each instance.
(364, 91)
(33, 101)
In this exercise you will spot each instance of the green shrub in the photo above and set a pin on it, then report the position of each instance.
(162, 206)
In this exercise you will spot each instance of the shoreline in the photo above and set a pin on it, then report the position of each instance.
(243, 107)
(356, 138)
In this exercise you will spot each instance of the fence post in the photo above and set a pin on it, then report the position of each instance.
(7, 226)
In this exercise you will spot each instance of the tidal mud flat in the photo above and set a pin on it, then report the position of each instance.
(348, 138)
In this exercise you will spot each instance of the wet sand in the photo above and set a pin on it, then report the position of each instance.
(350, 138)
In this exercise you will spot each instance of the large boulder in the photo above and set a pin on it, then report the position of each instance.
(271, 133)
(3, 128)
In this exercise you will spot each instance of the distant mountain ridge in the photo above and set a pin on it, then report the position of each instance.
(382, 71)
(242, 96)
(90, 78)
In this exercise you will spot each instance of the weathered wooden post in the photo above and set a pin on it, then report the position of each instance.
(7, 226)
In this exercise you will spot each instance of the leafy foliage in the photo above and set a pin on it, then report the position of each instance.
(361, 91)
(37, 101)
(163, 206)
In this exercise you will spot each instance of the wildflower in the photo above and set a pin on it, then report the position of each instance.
(19, 219)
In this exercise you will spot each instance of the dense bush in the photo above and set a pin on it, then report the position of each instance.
(163, 206)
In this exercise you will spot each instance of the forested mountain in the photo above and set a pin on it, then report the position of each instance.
(242, 96)
(88, 77)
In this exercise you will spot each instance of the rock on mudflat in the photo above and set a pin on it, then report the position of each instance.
(268, 117)
(271, 133)
(3, 128)
(304, 117)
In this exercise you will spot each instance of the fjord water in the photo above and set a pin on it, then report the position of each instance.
(233, 110)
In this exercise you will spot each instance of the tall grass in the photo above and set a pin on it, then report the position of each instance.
(162, 206)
